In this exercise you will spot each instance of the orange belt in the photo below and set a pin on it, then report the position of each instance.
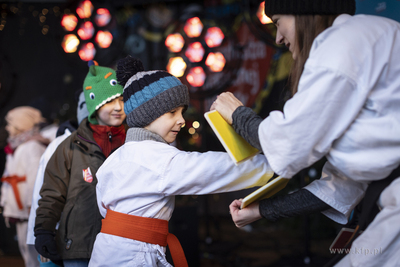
(149, 230)
(13, 181)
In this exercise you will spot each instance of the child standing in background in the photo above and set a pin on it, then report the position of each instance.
(137, 184)
(24, 149)
(68, 193)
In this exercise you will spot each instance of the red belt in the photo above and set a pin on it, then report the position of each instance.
(149, 230)
(13, 181)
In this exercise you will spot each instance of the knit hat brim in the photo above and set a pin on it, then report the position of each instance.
(155, 107)
(309, 7)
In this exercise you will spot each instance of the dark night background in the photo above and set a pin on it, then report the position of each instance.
(35, 71)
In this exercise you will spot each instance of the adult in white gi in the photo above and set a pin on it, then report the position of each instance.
(346, 106)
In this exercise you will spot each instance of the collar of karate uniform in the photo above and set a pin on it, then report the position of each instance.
(141, 134)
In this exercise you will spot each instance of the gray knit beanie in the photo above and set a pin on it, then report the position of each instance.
(309, 7)
(148, 94)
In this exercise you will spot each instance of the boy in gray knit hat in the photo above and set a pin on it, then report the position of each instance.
(137, 184)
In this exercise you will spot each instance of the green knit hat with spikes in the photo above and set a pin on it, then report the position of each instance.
(100, 86)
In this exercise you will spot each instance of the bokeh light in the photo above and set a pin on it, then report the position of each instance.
(87, 52)
(70, 43)
(102, 17)
(91, 34)
(84, 9)
(174, 42)
(196, 77)
(86, 30)
(195, 52)
(69, 22)
(176, 66)
(103, 39)
(214, 37)
(215, 61)
(193, 27)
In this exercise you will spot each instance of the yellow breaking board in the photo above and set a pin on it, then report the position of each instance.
(238, 148)
(266, 191)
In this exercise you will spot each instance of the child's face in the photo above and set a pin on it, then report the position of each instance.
(112, 113)
(12, 131)
(168, 125)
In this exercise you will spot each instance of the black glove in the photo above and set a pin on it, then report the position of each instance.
(45, 245)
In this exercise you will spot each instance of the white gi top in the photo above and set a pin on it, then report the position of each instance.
(24, 162)
(347, 108)
(30, 239)
(379, 244)
(142, 179)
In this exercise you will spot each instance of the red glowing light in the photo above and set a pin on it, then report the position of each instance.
(86, 30)
(84, 9)
(104, 39)
(102, 17)
(87, 52)
(215, 61)
(193, 27)
(214, 37)
(195, 52)
(69, 22)
(174, 42)
(264, 19)
(196, 77)
(70, 43)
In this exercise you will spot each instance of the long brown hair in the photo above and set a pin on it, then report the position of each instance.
(307, 29)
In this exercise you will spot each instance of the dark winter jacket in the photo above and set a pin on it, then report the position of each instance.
(69, 194)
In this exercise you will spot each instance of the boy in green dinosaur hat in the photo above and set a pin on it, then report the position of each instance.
(100, 86)
(68, 193)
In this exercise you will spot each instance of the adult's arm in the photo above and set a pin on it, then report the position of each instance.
(243, 119)
(246, 122)
(301, 202)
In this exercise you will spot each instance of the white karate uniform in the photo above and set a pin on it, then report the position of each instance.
(347, 108)
(24, 162)
(142, 179)
(30, 239)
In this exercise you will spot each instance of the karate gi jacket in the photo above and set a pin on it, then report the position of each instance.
(347, 108)
(142, 178)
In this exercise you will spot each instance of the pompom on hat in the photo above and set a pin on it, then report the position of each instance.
(148, 94)
(100, 86)
(309, 7)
